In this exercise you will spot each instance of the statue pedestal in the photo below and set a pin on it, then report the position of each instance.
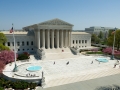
(43, 82)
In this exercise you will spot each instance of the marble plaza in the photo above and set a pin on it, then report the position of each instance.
(78, 69)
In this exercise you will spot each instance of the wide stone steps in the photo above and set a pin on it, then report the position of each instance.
(53, 54)
(56, 50)
(89, 76)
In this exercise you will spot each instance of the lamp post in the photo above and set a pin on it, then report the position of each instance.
(112, 56)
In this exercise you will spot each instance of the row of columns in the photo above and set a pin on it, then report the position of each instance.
(50, 38)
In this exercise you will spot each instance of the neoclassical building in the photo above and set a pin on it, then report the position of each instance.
(49, 35)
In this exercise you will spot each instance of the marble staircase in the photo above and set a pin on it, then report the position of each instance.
(53, 54)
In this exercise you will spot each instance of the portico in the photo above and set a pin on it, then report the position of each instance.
(52, 38)
(52, 34)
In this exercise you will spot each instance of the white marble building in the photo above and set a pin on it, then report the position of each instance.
(52, 34)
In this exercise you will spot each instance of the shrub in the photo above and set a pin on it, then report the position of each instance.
(19, 85)
(32, 85)
(23, 56)
(1, 88)
(16, 85)
(107, 50)
(2, 66)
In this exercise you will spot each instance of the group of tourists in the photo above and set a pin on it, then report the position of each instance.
(30, 75)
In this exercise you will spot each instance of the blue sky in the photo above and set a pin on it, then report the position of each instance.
(80, 13)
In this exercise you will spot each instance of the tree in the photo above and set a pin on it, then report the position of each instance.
(7, 56)
(109, 33)
(100, 35)
(117, 39)
(2, 66)
(94, 39)
(2, 47)
(3, 38)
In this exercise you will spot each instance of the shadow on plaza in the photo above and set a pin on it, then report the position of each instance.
(111, 87)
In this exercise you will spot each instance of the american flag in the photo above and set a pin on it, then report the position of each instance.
(11, 30)
(113, 31)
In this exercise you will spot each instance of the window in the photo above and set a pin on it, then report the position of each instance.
(82, 41)
(18, 49)
(13, 43)
(31, 42)
(85, 41)
(76, 41)
(8, 43)
(23, 49)
(22, 43)
(79, 46)
(18, 43)
(79, 41)
(73, 41)
(27, 43)
(32, 48)
(85, 46)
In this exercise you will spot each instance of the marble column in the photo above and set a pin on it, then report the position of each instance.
(52, 40)
(48, 39)
(35, 37)
(43, 39)
(38, 36)
(70, 38)
(57, 37)
(61, 38)
(65, 38)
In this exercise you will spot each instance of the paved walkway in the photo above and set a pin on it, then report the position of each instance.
(93, 84)
(78, 70)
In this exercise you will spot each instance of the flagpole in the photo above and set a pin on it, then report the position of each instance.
(15, 68)
(112, 56)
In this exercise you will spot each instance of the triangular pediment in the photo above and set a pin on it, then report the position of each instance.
(55, 22)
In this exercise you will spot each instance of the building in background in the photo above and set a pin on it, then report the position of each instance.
(96, 30)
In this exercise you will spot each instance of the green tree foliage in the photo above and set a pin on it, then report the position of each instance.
(94, 39)
(117, 39)
(100, 35)
(3, 38)
(2, 47)
(109, 33)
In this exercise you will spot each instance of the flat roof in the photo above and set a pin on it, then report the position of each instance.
(79, 33)
(15, 32)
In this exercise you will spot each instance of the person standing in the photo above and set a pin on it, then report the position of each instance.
(54, 62)
(92, 62)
